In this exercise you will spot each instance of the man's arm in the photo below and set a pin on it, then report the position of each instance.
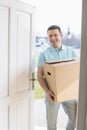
(41, 80)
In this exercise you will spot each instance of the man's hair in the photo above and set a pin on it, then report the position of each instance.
(54, 27)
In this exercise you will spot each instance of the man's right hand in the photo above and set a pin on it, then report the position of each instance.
(44, 85)
(50, 95)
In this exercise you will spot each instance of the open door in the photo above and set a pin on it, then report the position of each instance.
(16, 65)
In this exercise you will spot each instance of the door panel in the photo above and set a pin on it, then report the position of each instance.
(23, 51)
(4, 117)
(4, 20)
(20, 112)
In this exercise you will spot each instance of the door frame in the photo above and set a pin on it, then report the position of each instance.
(82, 99)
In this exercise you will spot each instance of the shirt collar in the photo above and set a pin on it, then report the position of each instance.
(54, 49)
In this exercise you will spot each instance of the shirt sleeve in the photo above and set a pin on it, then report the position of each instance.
(41, 59)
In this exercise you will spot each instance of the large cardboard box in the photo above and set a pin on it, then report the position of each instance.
(62, 78)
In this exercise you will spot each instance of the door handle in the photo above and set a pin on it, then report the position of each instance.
(33, 79)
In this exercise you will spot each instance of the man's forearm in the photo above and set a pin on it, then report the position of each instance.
(43, 84)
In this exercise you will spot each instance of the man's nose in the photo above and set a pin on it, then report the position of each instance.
(53, 37)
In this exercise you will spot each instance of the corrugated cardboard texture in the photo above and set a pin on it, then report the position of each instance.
(63, 79)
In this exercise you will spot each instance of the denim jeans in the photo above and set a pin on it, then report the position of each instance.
(52, 109)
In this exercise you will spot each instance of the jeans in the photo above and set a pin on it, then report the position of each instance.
(52, 108)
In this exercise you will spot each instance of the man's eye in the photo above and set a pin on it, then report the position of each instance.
(55, 35)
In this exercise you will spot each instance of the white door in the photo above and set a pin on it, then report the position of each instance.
(16, 65)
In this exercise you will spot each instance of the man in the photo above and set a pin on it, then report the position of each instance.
(56, 51)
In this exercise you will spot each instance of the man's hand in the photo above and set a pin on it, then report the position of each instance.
(44, 85)
(50, 95)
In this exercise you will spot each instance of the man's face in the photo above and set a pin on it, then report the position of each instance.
(54, 37)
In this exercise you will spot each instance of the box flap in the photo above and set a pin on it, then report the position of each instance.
(60, 61)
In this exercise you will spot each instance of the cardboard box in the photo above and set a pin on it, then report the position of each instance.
(62, 78)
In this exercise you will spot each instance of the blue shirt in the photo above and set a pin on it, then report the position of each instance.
(51, 54)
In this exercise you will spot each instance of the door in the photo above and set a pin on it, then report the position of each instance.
(16, 65)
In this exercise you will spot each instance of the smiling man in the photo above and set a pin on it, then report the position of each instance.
(56, 51)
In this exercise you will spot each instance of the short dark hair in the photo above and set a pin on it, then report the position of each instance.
(54, 27)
